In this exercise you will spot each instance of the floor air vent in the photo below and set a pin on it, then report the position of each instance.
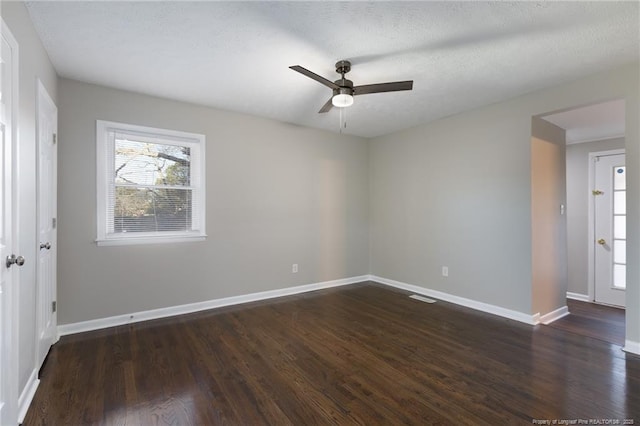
(422, 298)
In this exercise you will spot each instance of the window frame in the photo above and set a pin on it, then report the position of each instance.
(105, 182)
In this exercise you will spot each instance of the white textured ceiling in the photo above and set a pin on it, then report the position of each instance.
(592, 122)
(235, 55)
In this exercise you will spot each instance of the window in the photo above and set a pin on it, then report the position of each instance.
(150, 185)
(619, 227)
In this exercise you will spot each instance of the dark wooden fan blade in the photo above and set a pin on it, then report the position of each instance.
(314, 76)
(396, 86)
(327, 107)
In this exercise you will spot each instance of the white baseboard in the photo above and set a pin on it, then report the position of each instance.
(632, 347)
(578, 296)
(170, 311)
(469, 303)
(27, 394)
(552, 316)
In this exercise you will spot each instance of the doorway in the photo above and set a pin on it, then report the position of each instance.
(592, 131)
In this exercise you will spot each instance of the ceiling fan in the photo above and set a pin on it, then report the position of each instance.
(344, 90)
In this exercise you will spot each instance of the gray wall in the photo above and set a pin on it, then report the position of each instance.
(277, 194)
(578, 198)
(454, 192)
(33, 63)
(457, 192)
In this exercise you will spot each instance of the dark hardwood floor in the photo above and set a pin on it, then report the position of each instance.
(361, 354)
(598, 321)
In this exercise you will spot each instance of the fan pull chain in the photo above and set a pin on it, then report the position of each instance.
(343, 119)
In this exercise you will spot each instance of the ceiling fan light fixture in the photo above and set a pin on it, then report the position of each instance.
(342, 100)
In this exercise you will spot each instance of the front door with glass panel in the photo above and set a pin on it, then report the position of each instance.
(609, 195)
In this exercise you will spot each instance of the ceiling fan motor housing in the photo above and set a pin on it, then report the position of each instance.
(346, 88)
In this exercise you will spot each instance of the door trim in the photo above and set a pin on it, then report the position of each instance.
(591, 276)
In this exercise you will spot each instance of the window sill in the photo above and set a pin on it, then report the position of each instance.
(149, 240)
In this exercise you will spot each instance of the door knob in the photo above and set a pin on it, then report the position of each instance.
(602, 242)
(13, 259)
(46, 245)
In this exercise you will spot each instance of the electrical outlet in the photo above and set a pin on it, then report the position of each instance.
(445, 271)
(294, 268)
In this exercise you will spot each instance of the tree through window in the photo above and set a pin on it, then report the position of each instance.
(152, 182)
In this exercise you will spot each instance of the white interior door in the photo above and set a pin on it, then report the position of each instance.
(8, 272)
(47, 120)
(609, 196)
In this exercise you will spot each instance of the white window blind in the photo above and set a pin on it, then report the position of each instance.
(150, 184)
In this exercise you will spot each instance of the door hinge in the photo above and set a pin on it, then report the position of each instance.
(54, 306)
(55, 138)
(54, 222)
(597, 192)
